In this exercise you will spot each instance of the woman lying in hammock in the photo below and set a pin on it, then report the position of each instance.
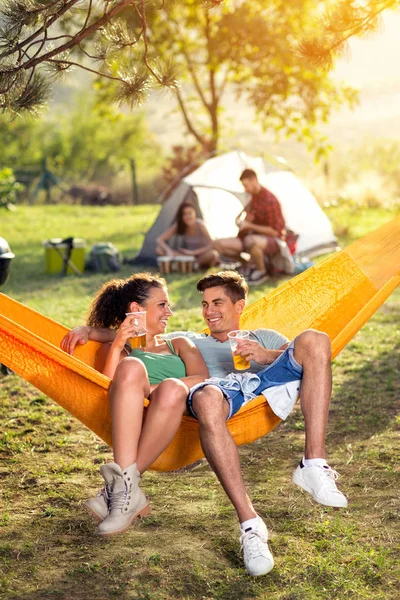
(162, 373)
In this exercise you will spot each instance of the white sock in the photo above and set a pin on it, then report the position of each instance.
(249, 524)
(314, 462)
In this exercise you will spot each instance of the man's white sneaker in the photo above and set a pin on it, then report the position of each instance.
(98, 506)
(319, 481)
(257, 556)
(127, 501)
(257, 277)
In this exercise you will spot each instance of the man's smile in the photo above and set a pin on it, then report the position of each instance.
(213, 319)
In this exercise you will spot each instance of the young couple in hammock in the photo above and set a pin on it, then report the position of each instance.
(172, 375)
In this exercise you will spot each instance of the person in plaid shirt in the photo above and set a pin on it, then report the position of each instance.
(260, 223)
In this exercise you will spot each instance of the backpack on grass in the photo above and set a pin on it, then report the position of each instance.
(103, 257)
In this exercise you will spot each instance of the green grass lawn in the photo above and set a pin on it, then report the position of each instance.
(188, 547)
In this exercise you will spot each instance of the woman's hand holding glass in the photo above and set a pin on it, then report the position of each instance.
(130, 329)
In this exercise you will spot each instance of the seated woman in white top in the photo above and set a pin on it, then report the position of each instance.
(192, 236)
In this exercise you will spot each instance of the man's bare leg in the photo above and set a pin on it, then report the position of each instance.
(312, 350)
(229, 247)
(222, 454)
(260, 246)
(257, 256)
(220, 449)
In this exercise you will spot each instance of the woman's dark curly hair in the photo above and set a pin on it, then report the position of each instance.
(113, 299)
(180, 225)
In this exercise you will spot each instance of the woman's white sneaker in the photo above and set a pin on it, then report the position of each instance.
(256, 553)
(320, 482)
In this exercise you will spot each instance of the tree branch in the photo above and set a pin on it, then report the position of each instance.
(51, 39)
(340, 38)
(83, 34)
(214, 98)
(34, 35)
(188, 123)
(142, 16)
(41, 44)
(89, 10)
(190, 67)
(223, 85)
(70, 63)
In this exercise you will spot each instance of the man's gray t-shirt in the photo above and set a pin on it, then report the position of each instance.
(218, 356)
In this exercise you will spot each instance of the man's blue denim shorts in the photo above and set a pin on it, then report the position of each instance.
(283, 370)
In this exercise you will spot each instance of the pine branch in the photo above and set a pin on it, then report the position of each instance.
(341, 22)
(17, 47)
(133, 86)
(142, 16)
(29, 94)
(64, 64)
(77, 39)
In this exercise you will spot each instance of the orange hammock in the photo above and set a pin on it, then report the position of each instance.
(337, 296)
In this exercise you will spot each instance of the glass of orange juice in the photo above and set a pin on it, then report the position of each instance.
(138, 319)
(240, 363)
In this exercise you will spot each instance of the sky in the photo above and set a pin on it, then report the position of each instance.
(374, 60)
(373, 66)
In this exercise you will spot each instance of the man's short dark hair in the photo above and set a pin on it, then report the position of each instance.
(235, 285)
(248, 174)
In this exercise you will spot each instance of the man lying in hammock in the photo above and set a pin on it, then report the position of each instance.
(277, 368)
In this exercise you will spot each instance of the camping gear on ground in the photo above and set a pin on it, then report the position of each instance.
(164, 264)
(185, 264)
(104, 257)
(179, 264)
(302, 264)
(337, 296)
(291, 240)
(6, 257)
(218, 197)
(281, 262)
(65, 256)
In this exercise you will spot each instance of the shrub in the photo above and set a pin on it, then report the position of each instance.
(8, 187)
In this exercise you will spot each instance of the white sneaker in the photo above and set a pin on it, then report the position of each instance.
(319, 481)
(99, 505)
(258, 277)
(257, 556)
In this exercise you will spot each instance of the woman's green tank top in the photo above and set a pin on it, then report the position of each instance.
(161, 366)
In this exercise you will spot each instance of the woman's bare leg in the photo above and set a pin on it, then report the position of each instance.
(162, 420)
(128, 389)
(208, 258)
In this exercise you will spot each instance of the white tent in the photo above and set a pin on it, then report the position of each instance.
(215, 190)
